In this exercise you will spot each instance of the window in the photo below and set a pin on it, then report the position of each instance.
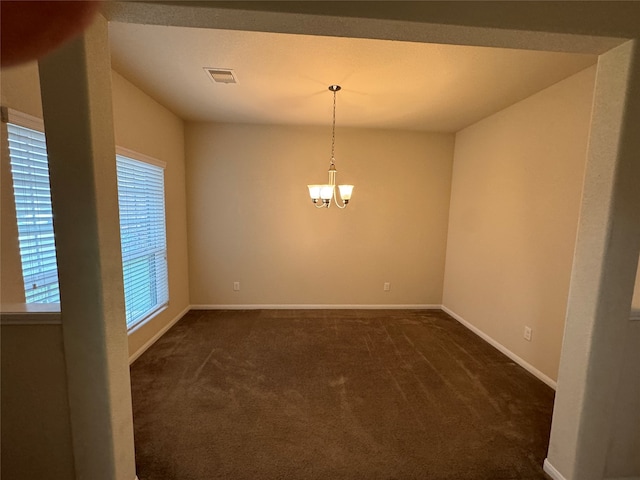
(142, 222)
(30, 173)
(143, 237)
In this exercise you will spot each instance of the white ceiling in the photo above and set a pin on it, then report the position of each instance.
(283, 78)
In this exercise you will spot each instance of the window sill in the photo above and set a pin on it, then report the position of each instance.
(30, 314)
(49, 314)
(143, 321)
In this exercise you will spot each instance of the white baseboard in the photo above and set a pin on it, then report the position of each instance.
(305, 306)
(551, 470)
(527, 366)
(156, 337)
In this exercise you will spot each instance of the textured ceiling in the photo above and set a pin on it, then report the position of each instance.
(283, 78)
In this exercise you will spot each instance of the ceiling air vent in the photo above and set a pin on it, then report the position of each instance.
(221, 75)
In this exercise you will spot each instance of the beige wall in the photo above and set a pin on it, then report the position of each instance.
(35, 410)
(251, 219)
(36, 433)
(20, 90)
(11, 285)
(144, 126)
(515, 200)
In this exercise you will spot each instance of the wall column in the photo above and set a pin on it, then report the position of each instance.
(76, 98)
(604, 268)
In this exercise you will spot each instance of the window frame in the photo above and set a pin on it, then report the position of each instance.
(140, 157)
(24, 120)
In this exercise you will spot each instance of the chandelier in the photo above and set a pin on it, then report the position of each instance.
(321, 195)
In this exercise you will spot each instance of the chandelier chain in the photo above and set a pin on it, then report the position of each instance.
(333, 128)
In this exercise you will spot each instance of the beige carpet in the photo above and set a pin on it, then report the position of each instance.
(340, 394)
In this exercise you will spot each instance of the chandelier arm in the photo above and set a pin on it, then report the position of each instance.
(335, 200)
(321, 205)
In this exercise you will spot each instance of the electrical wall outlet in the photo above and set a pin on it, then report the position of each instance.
(527, 334)
(236, 286)
(386, 287)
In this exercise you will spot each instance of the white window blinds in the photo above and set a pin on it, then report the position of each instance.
(30, 173)
(143, 237)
